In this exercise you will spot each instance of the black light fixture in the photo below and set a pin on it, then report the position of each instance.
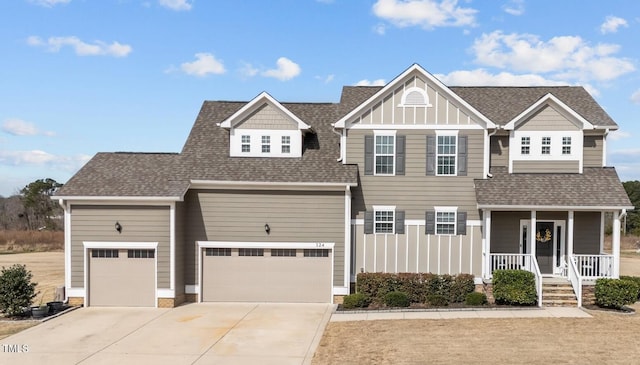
(118, 227)
(267, 228)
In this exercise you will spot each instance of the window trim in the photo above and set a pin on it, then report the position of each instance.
(545, 146)
(377, 134)
(265, 141)
(384, 208)
(454, 154)
(566, 146)
(246, 143)
(285, 141)
(449, 210)
(526, 145)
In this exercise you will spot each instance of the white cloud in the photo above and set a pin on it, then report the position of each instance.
(635, 97)
(611, 24)
(50, 3)
(618, 135)
(326, 79)
(427, 14)
(285, 70)
(39, 158)
(18, 127)
(378, 82)
(566, 57)
(514, 7)
(247, 70)
(98, 48)
(178, 5)
(205, 64)
(380, 29)
(481, 77)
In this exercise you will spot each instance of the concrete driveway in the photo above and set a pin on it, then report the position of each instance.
(205, 333)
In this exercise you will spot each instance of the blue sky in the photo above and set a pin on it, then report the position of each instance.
(79, 77)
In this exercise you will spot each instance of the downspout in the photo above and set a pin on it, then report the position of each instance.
(604, 147)
(498, 127)
(333, 129)
(67, 250)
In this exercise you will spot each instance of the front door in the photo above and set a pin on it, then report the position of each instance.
(544, 246)
(549, 244)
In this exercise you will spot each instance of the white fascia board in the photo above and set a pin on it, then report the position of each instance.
(549, 208)
(393, 84)
(547, 99)
(417, 126)
(258, 100)
(120, 199)
(244, 185)
(120, 245)
(301, 245)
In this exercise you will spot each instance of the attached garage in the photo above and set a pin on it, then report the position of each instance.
(255, 272)
(121, 277)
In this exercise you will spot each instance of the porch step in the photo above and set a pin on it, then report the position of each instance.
(558, 294)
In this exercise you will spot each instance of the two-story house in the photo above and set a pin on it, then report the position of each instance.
(287, 202)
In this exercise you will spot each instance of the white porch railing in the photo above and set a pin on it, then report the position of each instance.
(594, 266)
(514, 261)
(576, 280)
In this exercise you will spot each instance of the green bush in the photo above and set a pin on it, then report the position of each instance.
(514, 287)
(396, 299)
(16, 290)
(439, 284)
(437, 300)
(635, 279)
(462, 285)
(476, 298)
(357, 300)
(615, 293)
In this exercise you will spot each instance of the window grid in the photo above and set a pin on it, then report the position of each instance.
(445, 222)
(246, 143)
(525, 145)
(385, 155)
(266, 144)
(383, 221)
(283, 252)
(250, 252)
(110, 254)
(566, 145)
(309, 252)
(286, 144)
(546, 145)
(141, 254)
(446, 155)
(216, 251)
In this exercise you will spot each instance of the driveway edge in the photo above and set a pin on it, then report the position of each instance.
(319, 332)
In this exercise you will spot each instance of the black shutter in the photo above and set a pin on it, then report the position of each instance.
(399, 221)
(461, 228)
(400, 154)
(368, 222)
(368, 155)
(430, 222)
(431, 155)
(462, 155)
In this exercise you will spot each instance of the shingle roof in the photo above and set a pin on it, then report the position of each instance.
(595, 187)
(501, 104)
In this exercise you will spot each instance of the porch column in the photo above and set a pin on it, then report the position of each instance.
(570, 236)
(486, 269)
(532, 233)
(615, 244)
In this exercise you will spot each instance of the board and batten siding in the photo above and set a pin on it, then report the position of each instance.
(415, 192)
(240, 216)
(139, 224)
(267, 116)
(592, 151)
(547, 119)
(415, 251)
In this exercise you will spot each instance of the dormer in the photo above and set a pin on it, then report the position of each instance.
(547, 137)
(265, 128)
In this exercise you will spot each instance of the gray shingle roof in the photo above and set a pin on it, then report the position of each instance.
(595, 187)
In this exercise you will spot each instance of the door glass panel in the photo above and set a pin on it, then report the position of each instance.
(558, 247)
(525, 234)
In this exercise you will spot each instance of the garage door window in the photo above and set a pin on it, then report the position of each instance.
(250, 252)
(316, 253)
(283, 252)
(217, 251)
(111, 254)
(141, 254)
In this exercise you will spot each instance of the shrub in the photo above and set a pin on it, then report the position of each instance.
(514, 287)
(462, 285)
(357, 300)
(437, 300)
(439, 284)
(615, 293)
(396, 299)
(16, 290)
(476, 298)
(635, 279)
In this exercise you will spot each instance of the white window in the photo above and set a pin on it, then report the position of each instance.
(546, 146)
(383, 221)
(445, 222)
(266, 144)
(566, 145)
(525, 145)
(446, 155)
(385, 154)
(246, 144)
(286, 144)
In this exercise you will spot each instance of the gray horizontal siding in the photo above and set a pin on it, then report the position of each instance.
(593, 149)
(499, 151)
(140, 224)
(415, 192)
(547, 119)
(240, 216)
(536, 167)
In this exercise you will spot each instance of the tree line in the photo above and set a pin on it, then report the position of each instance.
(32, 208)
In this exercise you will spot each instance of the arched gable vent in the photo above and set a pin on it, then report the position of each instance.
(415, 96)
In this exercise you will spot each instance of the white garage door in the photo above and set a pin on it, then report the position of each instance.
(122, 278)
(286, 275)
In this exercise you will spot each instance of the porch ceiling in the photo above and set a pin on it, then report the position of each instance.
(595, 188)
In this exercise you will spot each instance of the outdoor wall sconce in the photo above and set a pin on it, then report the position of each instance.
(118, 227)
(267, 228)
